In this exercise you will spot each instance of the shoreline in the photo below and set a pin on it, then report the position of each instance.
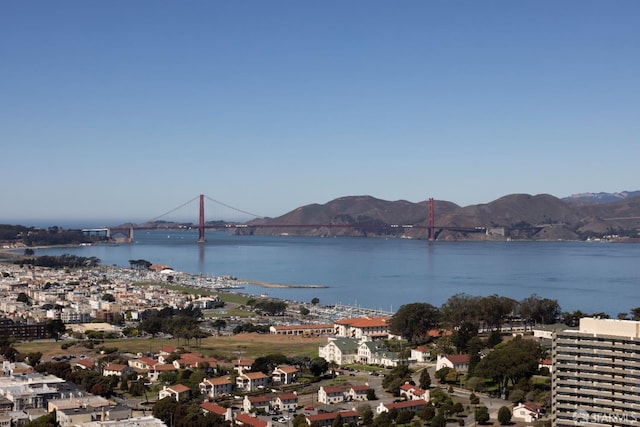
(280, 285)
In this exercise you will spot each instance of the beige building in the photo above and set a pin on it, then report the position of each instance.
(596, 378)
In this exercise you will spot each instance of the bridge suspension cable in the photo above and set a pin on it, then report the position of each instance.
(231, 207)
(174, 209)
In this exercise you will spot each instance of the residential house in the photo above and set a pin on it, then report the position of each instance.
(251, 421)
(407, 405)
(259, 404)
(412, 392)
(155, 372)
(195, 361)
(546, 363)
(284, 374)
(178, 392)
(117, 370)
(340, 350)
(421, 354)
(252, 381)
(331, 395)
(527, 412)
(286, 402)
(85, 364)
(459, 362)
(327, 418)
(215, 387)
(210, 407)
(242, 365)
(357, 393)
(143, 363)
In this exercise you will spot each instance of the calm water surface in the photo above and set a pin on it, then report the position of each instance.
(385, 274)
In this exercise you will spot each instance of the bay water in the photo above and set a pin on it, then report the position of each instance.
(386, 273)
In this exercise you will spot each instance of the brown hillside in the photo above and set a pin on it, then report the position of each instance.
(516, 216)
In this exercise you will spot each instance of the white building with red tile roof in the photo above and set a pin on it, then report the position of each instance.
(155, 372)
(407, 405)
(257, 403)
(527, 412)
(421, 354)
(284, 374)
(459, 362)
(177, 391)
(143, 363)
(311, 330)
(371, 328)
(327, 418)
(115, 370)
(213, 408)
(215, 387)
(241, 365)
(251, 421)
(252, 381)
(412, 392)
(286, 402)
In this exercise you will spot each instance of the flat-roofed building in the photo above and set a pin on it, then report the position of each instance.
(596, 374)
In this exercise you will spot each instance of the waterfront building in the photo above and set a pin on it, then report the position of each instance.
(596, 376)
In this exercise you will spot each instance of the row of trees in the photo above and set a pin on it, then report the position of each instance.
(182, 323)
(413, 321)
(268, 307)
(60, 261)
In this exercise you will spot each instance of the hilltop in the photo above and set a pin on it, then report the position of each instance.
(515, 216)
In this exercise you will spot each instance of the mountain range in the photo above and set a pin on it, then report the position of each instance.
(515, 216)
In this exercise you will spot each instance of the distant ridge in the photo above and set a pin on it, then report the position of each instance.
(512, 217)
(602, 197)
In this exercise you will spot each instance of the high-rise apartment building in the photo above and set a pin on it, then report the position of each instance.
(596, 374)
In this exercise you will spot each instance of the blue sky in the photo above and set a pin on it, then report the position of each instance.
(126, 109)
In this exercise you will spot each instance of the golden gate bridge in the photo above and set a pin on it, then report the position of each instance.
(248, 221)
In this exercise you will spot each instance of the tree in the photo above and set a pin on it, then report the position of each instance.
(413, 321)
(539, 310)
(495, 309)
(315, 300)
(482, 414)
(463, 335)
(504, 415)
(425, 379)
(439, 421)
(55, 328)
(428, 412)
(460, 308)
(511, 361)
(474, 346)
(267, 364)
(396, 378)
(318, 366)
(108, 297)
(404, 417)
(48, 420)
(22, 297)
(441, 374)
(495, 338)
(337, 421)
(371, 394)
(164, 409)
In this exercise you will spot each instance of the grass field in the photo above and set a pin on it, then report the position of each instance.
(245, 345)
